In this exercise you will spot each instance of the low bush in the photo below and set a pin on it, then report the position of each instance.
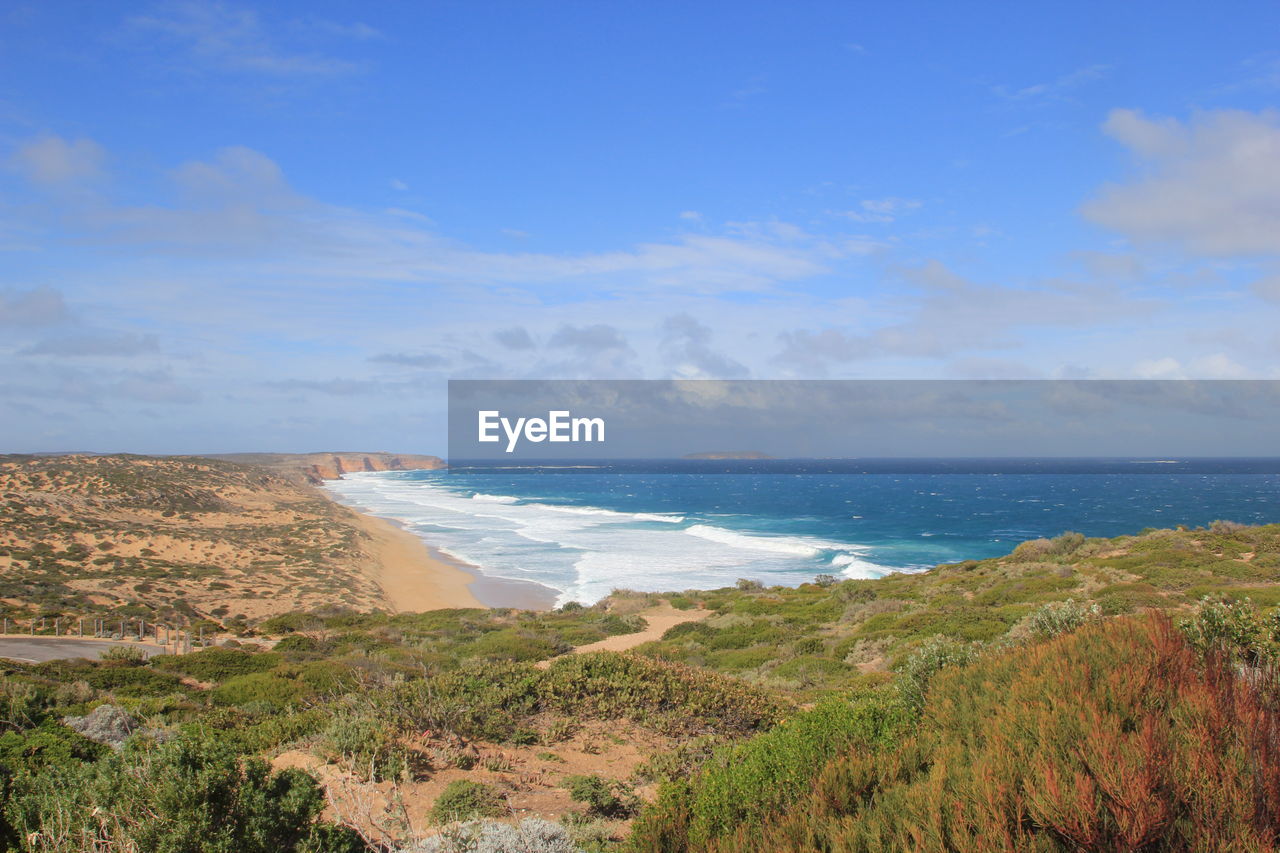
(48, 744)
(1157, 749)
(934, 655)
(262, 687)
(463, 800)
(602, 797)
(531, 835)
(128, 654)
(133, 681)
(1233, 628)
(511, 644)
(1060, 618)
(186, 796)
(297, 643)
(216, 664)
(747, 783)
(673, 698)
(368, 746)
(106, 724)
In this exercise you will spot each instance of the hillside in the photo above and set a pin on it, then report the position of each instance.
(874, 715)
(796, 715)
(834, 634)
(175, 538)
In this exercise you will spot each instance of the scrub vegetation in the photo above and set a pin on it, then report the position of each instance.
(1075, 694)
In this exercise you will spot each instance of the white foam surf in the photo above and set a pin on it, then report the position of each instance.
(585, 552)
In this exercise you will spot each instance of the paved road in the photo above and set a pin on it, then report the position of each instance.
(36, 649)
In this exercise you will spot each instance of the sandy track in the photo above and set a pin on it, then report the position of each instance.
(659, 620)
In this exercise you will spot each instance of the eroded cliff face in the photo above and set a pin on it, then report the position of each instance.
(331, 466)
(315, 468)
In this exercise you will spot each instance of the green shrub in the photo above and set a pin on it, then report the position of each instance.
(602, 797)
(513, 645)
(740, 660)
(368, 746)
(49, 743)
(297, 643)
(217, 665)
(186, 796)
(127, 654)
(808, 646)
(133, 680)
(689, 630)
(328, 677)
(1060, 617)
(480, 700)
(811, 670)
(463, 800)
(252, 733)
(261, 687)
(1234, 628)
(747, 783)
(934, 655)
(675, 699)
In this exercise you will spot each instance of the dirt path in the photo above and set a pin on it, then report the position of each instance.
(659, 620)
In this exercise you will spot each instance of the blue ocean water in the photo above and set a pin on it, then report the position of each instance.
(586, 530)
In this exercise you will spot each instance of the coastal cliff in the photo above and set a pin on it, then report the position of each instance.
(315, 468)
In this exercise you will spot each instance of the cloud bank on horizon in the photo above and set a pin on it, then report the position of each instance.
(231, 226)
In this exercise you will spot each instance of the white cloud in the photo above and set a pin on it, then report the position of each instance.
(1210, 186)
(222, 37)
(1111, 266)
(1214, 366)
(1268, 287)
(1057, 88)
(54, 160)
(42, 306)
(239, 204)
(881, 210)
(950, 314)
(687, 344)
(236, 175)
(95, 345)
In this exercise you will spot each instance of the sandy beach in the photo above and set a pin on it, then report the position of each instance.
(410, 576)
(415, 577)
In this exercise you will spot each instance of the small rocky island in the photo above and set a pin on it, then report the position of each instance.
(728, 454)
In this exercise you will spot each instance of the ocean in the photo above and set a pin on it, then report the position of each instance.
(588, 529)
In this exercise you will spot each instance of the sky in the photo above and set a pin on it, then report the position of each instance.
(284, 227)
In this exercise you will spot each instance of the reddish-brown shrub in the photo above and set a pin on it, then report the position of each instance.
(1118, 737)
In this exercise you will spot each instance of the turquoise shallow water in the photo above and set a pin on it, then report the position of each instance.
(679, 526)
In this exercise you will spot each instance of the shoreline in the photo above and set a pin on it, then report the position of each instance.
(415, 576)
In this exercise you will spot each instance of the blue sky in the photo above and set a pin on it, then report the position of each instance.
(228, 226)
